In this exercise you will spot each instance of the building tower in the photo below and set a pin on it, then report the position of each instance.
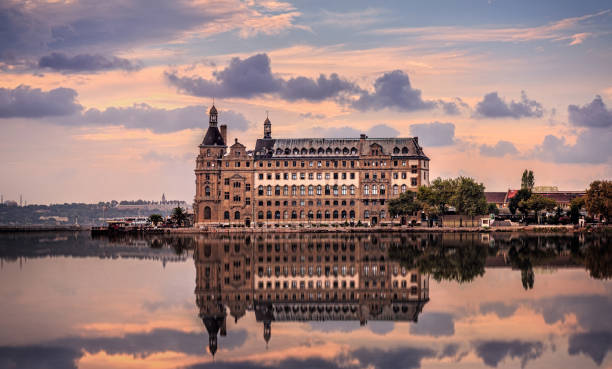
(267, 129)
(208, 171)
(163, 201)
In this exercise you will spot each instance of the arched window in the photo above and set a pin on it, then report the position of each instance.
(260, 190)
(344, 189)
(296, 151)
(383, 214)
(328, 151)
(310, 214)
(279, 151)
(312, 151)
(207, 212)
(374, 190)
(327, 189)
(237, 215)
(404, 150)
(226, 215)
(302, 190)
(285, 214)
(269, 190)
(302, 214)
(319, 214)
(319, 189)
(310, 190)
(304, 151)
(354, 151)
(343, 214)
(395, 189)
(293, 190)
(269, 214)
(352, 214)
(335, 190)
(286, 190)
(326, 214)
(207, 191)
(352, 188)
(287, 151)
(345, 151)
(294, 214)
(382, 189)
(403, 188)
(366, 214)
(396, 150)
(366, 190)
(321, 150)
(335, 214)
(277, 214)
(277, 191)
(337, 151)
(260, 215)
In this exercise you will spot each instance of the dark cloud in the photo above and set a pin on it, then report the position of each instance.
(493, 352)
(594, 115)
(38, 357)
(143, 116)
(453, 107)
(594, 344)
(302, 88)
(403, 357)
(253, 76)
(381, 327)
(501, 148)
(291, 363)
(155, 341)
(500, 309)
(492, 106)
(434, 134)
(592, 146)
(588, 310)
(86, 63)
(393, 90)
(310, 115)
(32, 29)
(434, 324)
(26, 102)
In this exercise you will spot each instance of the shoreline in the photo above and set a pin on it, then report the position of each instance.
(403, 229)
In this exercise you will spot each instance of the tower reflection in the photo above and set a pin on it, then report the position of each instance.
(303, 277)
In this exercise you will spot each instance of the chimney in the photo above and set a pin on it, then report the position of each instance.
(224, 133)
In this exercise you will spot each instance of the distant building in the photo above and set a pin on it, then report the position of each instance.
(303, 180)
(562, 198)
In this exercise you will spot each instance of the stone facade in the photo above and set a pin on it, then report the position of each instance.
(303, 181)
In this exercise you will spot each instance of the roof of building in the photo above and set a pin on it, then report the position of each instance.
(495, 197)
(332, 147)
(213, 137)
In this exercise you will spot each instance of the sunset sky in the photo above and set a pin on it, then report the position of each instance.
(103, 100)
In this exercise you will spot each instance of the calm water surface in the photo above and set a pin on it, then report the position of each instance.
(305, 301)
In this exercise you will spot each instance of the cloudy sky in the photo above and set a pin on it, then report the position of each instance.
(108, 100)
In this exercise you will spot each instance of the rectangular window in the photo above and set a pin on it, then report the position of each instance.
(247, 200)
(226, 181)
(413, 182)
(352, 175)
(227, 195)
(302, 176)
(261, 176)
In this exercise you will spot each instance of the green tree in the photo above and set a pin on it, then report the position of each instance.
(492, 209)
(155, 219)
(598, 199)
(468, 196)
(179, 216)
(405, 204)
(515, 202)
(575, 205)
(538, 203)
(437, 196)
(527, 181)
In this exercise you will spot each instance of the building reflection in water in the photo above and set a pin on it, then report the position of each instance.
(296, 277)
